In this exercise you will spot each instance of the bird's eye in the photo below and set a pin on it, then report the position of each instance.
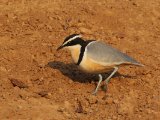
(69, 42)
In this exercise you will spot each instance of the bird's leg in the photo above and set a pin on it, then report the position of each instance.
(99, 82)
(114, 71)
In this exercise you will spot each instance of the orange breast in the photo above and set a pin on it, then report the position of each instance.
(90, 66)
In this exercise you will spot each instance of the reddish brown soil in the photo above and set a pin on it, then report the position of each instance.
(50, 88)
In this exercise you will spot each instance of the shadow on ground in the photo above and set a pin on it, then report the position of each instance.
(72, 71)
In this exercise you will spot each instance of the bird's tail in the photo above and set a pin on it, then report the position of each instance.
(138, 64)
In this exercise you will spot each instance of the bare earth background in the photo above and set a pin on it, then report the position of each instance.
(30, 32)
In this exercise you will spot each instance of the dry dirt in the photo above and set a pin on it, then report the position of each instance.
(39, 83)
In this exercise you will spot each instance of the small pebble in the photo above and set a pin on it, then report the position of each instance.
(43, 93)
(85, 30)
(92, 99)
(79, 108)
(109, 100)
(67, 104)
(18, 83)
(115, 101)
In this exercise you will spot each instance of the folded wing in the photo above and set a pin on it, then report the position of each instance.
(106, 55)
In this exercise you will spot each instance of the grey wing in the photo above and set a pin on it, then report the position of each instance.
(106, 55)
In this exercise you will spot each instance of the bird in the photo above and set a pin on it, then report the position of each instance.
(94, 56)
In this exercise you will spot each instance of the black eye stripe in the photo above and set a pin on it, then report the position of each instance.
(69, 37)
(75, 42)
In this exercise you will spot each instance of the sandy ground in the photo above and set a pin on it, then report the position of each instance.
(39, 83)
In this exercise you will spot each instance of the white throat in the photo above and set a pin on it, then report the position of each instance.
(75, 52)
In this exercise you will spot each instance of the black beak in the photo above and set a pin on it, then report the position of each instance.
(60, 47)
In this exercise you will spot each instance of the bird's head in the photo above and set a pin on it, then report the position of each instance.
(71, 41)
